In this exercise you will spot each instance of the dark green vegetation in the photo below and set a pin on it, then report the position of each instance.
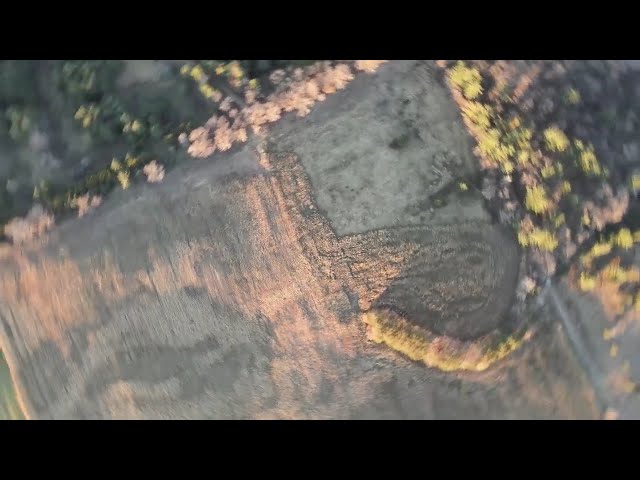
(88, 119)
(558, 141)
(81, 115)
(64, 123)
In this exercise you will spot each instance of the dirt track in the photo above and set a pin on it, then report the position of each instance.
(235, 288)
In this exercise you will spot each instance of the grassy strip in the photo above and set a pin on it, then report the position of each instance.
(9, 407)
